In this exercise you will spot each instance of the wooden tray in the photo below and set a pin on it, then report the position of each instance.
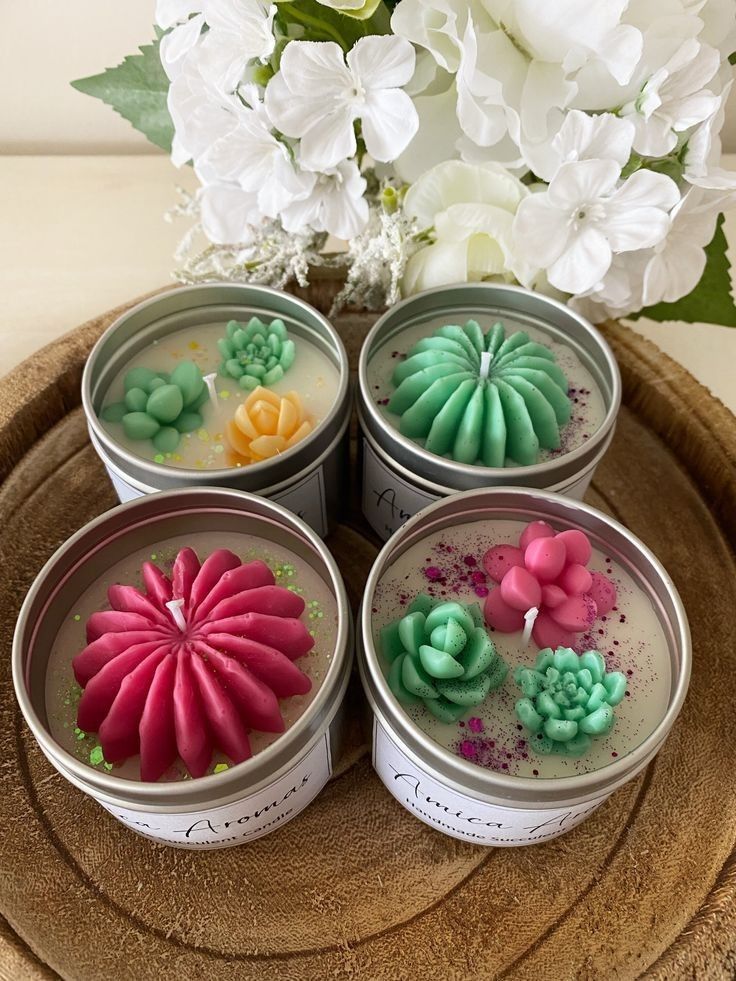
(355, 887)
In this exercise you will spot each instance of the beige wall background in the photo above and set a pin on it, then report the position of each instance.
(46, 43)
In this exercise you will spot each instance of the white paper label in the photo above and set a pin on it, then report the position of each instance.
(388, 499)
(243, 820)
(460, 816)
(306, 499)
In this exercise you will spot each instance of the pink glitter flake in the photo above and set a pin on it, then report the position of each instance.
(475, 724)
(468, 749)
(433, 573)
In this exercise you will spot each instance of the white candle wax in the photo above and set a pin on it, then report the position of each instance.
(313, 376)
(63, 693)
(448, 566)
(588, 407)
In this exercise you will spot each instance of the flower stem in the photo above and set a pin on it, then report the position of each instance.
(309, 21)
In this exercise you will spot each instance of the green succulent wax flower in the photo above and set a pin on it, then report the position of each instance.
(568, 698)
(440, 654)
(257, 354)
(479, 397)
(158, 406)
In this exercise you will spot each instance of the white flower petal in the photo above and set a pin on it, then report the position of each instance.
(178, 43)
(456, 182)
(228, 214)
(541, 230)
(170, 12)
(329, 142)
(583, 263)
(440, 264)
(390, 122)
(315, 69)
(436, 138)
(387, 59)
(582, 182)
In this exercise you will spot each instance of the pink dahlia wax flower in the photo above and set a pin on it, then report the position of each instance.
(192, 664)
(548, 573)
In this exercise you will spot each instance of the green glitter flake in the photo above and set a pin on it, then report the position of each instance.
(159, 458)
(79, 733)
(97, 758)
(224, 395)
(154, 556)
(76, 617)
(221, 767)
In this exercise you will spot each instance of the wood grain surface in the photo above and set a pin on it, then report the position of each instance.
(355, 887)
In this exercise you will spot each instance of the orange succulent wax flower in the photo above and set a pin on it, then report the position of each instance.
(267, 424)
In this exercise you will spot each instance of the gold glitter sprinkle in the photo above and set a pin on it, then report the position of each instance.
(221, 767)
(203, 435)
(193, 346)
(225, 394)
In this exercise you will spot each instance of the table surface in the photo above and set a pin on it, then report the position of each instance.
(82, 234)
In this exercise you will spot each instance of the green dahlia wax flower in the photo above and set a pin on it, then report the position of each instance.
(479, 397)
(256, 354)
(441, 654)
(568, 698)
(160, 407)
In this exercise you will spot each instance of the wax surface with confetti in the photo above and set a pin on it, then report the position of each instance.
(291, 571)
(448, 565)
(588, 407)
(313, 376)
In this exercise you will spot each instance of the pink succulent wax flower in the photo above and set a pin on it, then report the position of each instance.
(548, 571)
(192, 664)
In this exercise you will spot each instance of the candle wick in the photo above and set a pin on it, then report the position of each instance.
(529, 617)
(485, 364)
(174, 608)
(209, 381)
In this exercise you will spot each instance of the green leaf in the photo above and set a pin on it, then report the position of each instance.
(732, 59)
(137, 90)
(711, 301)
(321, 23)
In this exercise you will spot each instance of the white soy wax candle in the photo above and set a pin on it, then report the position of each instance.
(183, 660)
(223, 385)
(471, 767)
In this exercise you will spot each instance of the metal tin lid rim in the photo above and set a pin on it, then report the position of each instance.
(235, 793)
(441, 491)
(545, 797)
(268, 492)
(462, 768)
(375, 419)
(190, 475)
(343, 652)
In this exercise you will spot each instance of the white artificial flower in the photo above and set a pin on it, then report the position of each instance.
(316, 97)
(246, 152)
(200, 113)
(470, 212)
(437, 136)
(335, 203)
(171, 12)
(228, 214)
(177, 44)
(674, 99)
(571, 33)
(438, 26)
(584, 217)
(678, 261)
(702, 151)
(481, 108)
(360, 9)
(581, 137)
(619, 293)
(240, 31)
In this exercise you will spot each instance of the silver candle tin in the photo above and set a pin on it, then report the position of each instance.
(250, 799)
(400, 477)
(308, 480)
(458, 797)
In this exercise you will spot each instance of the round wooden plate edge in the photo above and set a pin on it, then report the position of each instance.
(697, 428)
